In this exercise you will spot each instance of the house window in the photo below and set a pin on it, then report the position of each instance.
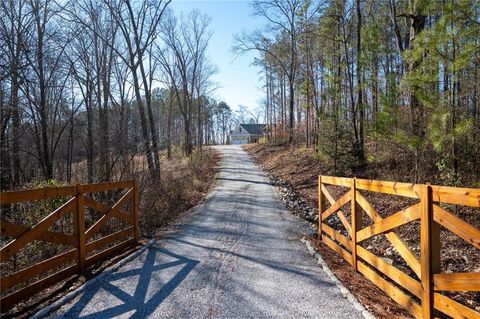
(240, 129)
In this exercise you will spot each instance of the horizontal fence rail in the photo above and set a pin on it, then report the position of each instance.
(93, 230)
(421, 291)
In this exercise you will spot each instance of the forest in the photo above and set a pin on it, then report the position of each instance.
(360, 81)
(95, 91)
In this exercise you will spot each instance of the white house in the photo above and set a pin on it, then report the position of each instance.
(246, 133)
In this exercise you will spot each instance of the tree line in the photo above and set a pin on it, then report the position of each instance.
(91, 85)
(339, 74)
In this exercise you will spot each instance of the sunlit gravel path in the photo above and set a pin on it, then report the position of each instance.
(238, 257)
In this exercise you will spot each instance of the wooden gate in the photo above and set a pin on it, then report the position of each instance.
(90, 231)
(420, 292)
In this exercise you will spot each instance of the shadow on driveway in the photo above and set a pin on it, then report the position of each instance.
(140, 304)
(241, 180)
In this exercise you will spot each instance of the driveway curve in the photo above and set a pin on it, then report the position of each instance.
(239, 256)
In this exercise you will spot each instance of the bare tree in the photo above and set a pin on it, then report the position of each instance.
(183, 57)
(44, 81)
(15, 23)
(138, 24)
(283, 18)
(79, 88)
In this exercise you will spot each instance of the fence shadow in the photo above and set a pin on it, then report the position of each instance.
(111, 297)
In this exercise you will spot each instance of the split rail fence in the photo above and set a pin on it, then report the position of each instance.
(420, 293)
(86, 220)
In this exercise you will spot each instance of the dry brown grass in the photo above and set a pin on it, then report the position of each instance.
(184, 183)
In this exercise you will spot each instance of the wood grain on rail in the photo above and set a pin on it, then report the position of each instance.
(427, 269)
(65, 263)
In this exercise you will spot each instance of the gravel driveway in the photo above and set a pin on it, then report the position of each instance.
(238, 257)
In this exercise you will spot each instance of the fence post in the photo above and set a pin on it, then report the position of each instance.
(321, 206)
(356, 218)
(429, 250)
(80, 228)
(135, 211)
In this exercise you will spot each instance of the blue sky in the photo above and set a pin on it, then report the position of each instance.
(239, 81)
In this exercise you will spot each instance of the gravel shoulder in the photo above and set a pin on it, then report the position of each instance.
(240, 256)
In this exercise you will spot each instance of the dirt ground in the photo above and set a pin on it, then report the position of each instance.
(369, 295)
(299, 169)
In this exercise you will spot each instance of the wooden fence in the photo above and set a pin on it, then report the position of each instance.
(423, 295)
(84, 245)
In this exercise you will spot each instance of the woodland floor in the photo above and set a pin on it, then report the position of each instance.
(199, 176)
(296, 171)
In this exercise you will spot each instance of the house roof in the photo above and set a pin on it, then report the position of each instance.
(254, 129)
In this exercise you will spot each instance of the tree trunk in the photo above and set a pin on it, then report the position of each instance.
(291, 104)
(169, 125)
(153, 128)
(107, 65)
(375, 92)
(417, 24)
(5, 169)
(143, 123)
(47, 163)
(90, 141)
(188, 136)
(199, 124)
(360, 107)
(16, 122)
(70, 148)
